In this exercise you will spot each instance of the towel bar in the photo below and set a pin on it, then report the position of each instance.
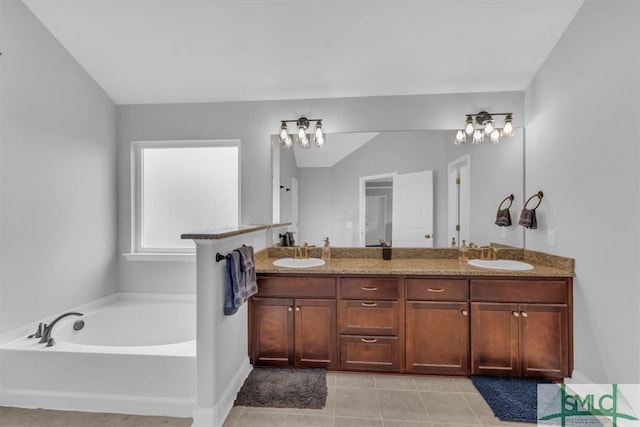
(539, 195)
(220, 257)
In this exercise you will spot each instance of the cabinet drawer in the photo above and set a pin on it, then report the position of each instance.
(437, 289)
(519, 291)
(296, 287)
(369, 317)
(369, 353)
(369, 288)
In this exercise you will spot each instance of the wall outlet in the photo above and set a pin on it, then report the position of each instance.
(551, 237)
(349, 224)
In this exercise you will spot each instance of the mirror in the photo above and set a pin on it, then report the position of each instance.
(327, 187)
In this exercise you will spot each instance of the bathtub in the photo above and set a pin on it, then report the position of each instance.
(136, 354)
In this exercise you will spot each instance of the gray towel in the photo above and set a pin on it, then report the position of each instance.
(248, 269)
(528, 218)
(232, 284)
(503, 218)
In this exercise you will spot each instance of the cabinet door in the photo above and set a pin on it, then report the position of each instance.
(494, 339)
(315, 333)
(272, 332)
(544, 340)
(437, 337)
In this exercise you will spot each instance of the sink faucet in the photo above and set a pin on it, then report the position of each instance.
(45, 334)
(488, 252)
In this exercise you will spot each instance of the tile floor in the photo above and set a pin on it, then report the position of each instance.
(373, 400)
(353, 400)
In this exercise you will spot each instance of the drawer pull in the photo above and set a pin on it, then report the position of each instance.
(515, 314)
(369, 304)
(369, 341)
(369, 288)
(465, 313)
(524, 314)
(435, 290)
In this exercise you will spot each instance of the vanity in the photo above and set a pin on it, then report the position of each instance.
(422, 312)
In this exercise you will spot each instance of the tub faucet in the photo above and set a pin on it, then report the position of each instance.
(46, 332)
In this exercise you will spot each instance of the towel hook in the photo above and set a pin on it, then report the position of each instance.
(510, 197)
(539, 195)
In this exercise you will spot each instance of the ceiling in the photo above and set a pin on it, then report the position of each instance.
(172, 51)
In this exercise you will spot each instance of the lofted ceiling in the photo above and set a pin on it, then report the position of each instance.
(172, 51)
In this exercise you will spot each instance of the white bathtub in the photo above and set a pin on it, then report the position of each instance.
(135, 354)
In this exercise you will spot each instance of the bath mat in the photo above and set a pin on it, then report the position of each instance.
(284, 388)
(511, 399)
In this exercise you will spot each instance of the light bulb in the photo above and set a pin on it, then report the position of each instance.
(488, 127)
(460, 137)
(288, 142)
(301, 134)
(469, 127)
(319, 134)
(304, 140)
(495, 136)
(284, 133)
(508, 126)
(478, 136)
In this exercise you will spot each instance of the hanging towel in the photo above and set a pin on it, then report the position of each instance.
(248, 268)
(503, 218)
(232, 284)
(528, 218)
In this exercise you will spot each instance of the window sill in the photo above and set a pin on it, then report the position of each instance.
(169, 257)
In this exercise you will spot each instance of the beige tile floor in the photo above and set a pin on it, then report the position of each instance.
(382, 401)
(353, 400)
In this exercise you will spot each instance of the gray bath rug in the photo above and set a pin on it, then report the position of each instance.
(284, 388)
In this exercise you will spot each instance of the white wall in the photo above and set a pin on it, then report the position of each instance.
(253, 123)
(582, 111)
(57, 176)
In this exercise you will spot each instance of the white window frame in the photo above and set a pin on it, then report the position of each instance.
(136, 155)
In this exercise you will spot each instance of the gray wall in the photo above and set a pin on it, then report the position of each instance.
(253, 123)
(582, 113)
(57, 176)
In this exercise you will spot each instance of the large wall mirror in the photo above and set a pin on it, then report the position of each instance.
(408, 188)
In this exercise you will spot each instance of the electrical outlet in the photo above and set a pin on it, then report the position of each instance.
(349, 225)
(551, 237)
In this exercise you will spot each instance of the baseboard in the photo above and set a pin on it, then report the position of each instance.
(84, 402)
(578, 377)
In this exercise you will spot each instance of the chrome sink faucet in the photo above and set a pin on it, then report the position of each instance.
(44, 333)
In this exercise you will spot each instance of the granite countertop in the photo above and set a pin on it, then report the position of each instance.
(410, 262)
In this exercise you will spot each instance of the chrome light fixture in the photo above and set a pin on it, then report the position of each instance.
(483, 123)
(301, 136)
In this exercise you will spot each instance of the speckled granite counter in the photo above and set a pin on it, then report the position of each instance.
(415, 262)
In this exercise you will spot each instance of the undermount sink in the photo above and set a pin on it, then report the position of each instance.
(298, 262)
(501, 264)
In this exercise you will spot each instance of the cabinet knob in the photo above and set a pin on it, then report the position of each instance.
(289, 308)
(465, 313)
(427, 236)
(298, 308)
(370, 341)
(515, 314)
(524, 314)
(369, 304)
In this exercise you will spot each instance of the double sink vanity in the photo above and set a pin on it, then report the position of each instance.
(423, 311)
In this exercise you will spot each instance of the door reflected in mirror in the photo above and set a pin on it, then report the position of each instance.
(332, 188)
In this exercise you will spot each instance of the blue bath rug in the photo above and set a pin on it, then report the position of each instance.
(511, 399)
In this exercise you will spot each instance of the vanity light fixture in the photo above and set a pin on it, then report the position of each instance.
(482, 124)
(301, 136)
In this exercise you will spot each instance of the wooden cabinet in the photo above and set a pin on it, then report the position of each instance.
(294, 331)
(437, 326)
(370, 319)
(458, 325)
(521, 328)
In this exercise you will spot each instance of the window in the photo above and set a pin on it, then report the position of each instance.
(183, 187)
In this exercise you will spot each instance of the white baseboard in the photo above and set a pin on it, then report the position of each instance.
(578, 377)
(216, 416)
(85, 402)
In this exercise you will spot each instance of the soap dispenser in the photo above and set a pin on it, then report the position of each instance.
(326, 250)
